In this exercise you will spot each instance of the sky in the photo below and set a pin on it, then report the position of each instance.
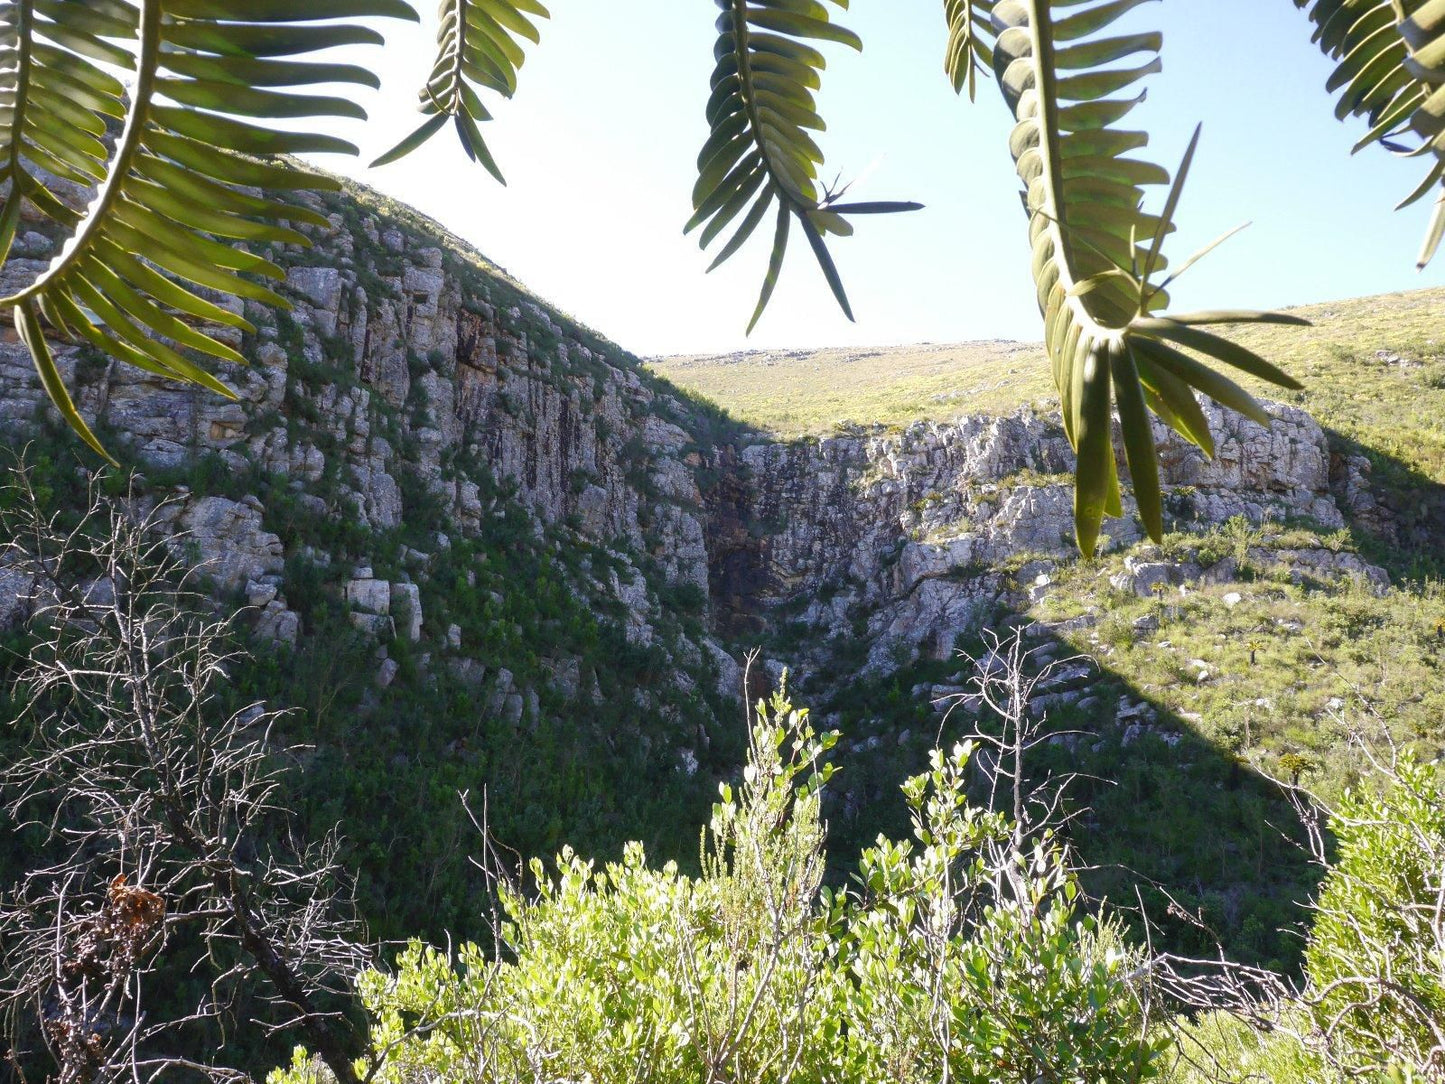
(599, 147)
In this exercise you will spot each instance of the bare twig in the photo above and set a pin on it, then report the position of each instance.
(162, 811)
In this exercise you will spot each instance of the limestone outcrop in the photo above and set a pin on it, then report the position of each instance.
(414, 384)
(899, 538)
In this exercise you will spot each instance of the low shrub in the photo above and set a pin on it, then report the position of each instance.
(960, 955)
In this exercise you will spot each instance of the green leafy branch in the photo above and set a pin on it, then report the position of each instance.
(759, 152)
(478, 45)
(969, 34)
(1096, 252)
(210, 77)
(1390, 70)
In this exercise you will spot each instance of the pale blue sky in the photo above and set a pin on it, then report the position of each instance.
(599, 145)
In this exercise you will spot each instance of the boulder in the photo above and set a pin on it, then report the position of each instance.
(227, 537)
(17, 596)
(369, 595)
(405, 606)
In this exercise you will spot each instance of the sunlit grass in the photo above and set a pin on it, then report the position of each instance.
(1353, 386)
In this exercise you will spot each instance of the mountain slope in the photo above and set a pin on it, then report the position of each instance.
(469, 548)
(1296, 603)
(478, 548)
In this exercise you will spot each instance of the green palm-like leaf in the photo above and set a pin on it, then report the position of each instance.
(758, 152)
(172, 197)
(1390, 70)
(1096, 251)
(479, 44)
(59, 102)
(969, 32)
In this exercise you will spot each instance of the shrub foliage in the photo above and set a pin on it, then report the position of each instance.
(961, 954)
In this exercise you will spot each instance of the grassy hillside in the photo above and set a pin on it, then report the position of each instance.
(1267, 675)
(1292, 665)
(798, 393)
(811, 392)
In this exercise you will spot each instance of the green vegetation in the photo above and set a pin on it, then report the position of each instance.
(1293, 665)
(1269, 676)
(962, 954)
(558, 763)
(389, 763)
(1228, 685)
(1376, 984)
(970, 949)
(1374, 997)
(1196, 820)
(966, 954)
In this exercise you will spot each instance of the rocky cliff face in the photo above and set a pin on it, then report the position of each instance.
(467, 537)
(414, 398)
(406, 373)
(899, 539)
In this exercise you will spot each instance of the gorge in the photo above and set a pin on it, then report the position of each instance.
(478, 547)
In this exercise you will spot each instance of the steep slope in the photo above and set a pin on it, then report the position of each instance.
(1295, 607)
(479, 548)
(880, 557)
(470, 541)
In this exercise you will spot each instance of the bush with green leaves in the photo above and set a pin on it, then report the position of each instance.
(1223, 1048)
(960, 955)
(1372, 1006)
(1376, 955)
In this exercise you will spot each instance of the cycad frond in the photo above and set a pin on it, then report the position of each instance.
(1390, 57)
(1095, 251)
(969, 32)
(172, 199)
(54, 119)
(478, 45)
(758, 150)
